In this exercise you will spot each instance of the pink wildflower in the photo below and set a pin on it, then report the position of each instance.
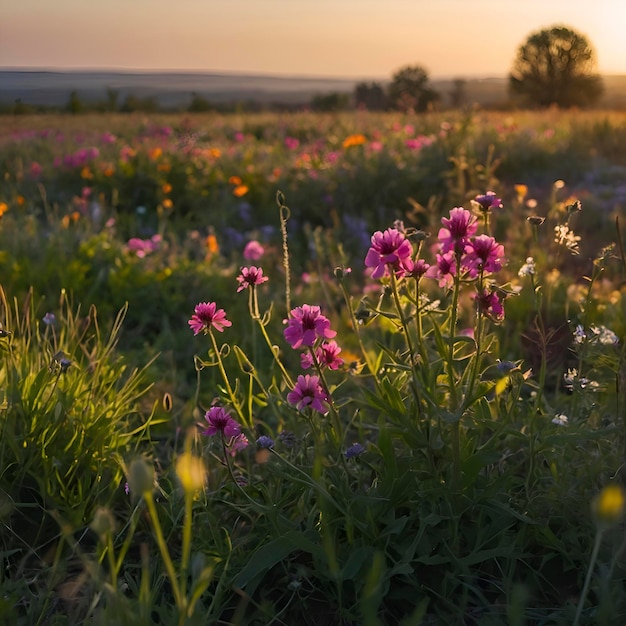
(253, 251)
(458, 228)
(221, 422)
(445, 269)
(239, 442)
(305, 324)
(483, 254)
(490, 305)
(417, 269)
(207, 315)
(250, 277)
(389, 248)
(327, 356)
(308, 392)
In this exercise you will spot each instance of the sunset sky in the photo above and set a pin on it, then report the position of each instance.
(346, 38)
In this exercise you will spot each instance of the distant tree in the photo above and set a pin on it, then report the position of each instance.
(370, 96)
(555, 66)
(409, 90)
(134, 104)
(458, 93)
(333, 101)
(74, 104)
(112, 99)
(198, 104)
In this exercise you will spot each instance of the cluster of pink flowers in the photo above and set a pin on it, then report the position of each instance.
(477, 255)
(389, 250)
(141, 247)
(307, 327)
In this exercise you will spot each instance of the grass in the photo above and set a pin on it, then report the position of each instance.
(457, 455)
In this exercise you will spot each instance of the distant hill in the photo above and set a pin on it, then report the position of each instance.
(174, 89)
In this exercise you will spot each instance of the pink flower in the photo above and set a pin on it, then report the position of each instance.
(458, 228)
(249, 277)
(308, 392)
(417, 269)
(221, 422)
(253, 251)
(445, 269)
(207, 315)
(483, 254)
(389, 248)
(305, 325)
(327, 356)
(490, 305)
(239, 442)
(291, 143)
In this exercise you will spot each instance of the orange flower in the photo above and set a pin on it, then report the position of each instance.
(164, 167)
(235, 180)
(155, 153)
(109, 171)
(354, 140)
(166, 188)
(216, 153)
(4, 207)
(21, 200)
(521, 191)
(86, 173)
(167, 203)
(212, 245)
(240, 190)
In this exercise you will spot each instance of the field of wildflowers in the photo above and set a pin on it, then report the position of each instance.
(343, 369)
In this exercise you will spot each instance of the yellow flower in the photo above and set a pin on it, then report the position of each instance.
(191, 472)
(354, 140)
(608, 505)
(521, 191)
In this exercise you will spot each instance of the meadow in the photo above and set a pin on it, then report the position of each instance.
(350, 369)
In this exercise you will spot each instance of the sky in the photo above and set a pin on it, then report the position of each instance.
(325, 38)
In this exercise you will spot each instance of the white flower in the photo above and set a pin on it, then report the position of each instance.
(564, 236)
(560, 420)
(528, 268)
(604, 335)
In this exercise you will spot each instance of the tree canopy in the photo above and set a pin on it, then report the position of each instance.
(555, 66)
(409, 89)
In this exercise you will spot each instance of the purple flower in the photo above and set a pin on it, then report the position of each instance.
(238, 443)
(207, 315)
(458, 228)
(483, 254)
(265, 442)
(417, 269)
(305, 324)
(308, 392)
(221, 422)
(327, 356)
(49, 319)
(488, 201)
(249, 277)
(388, 249)
(253, 251)
(355, 450)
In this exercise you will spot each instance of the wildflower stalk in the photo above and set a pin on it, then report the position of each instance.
(179, 599)
(229, 389)
(285, 213)
(186, 549)
(409, 341)
(592, 563)
(357, 331)
(253, 305)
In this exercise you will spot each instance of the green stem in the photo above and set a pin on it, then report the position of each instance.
(165, 555)
(592, 563)
(184, 567)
